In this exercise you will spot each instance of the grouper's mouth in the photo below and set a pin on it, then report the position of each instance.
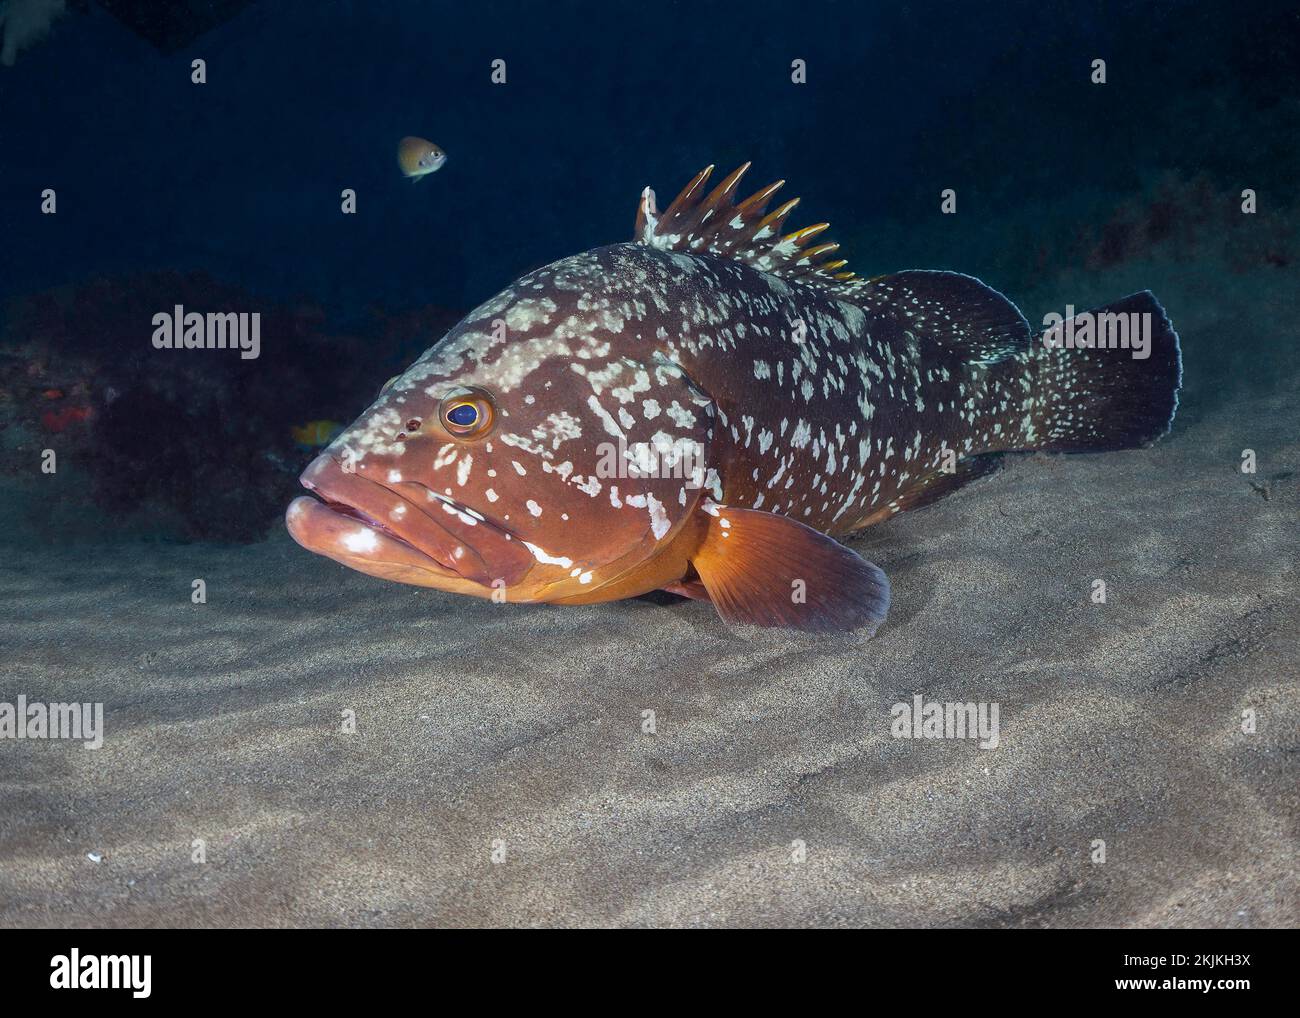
(402, 532)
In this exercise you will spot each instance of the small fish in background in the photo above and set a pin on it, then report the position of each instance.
(418, 157)
(315, 434)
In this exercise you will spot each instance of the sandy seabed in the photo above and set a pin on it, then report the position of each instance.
(519, 730)
(478, 723)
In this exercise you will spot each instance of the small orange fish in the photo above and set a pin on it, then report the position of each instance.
(315, 434)
(418, 158)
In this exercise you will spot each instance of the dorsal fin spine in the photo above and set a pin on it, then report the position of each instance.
(774, 221)
(759, 198)
(687, 193)
(716, 224)
(722, 194)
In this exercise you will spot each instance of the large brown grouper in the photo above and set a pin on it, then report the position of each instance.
(704, 410)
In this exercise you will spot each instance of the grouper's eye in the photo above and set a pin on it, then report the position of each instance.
(463, 415)
(467, 413)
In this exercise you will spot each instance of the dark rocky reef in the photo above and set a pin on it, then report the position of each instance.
(199, 440)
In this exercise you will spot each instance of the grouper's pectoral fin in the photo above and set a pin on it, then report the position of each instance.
(768, 570)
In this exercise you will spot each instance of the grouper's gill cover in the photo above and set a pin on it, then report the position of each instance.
(700, 411)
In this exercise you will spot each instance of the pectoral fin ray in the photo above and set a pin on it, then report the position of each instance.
(764, 569)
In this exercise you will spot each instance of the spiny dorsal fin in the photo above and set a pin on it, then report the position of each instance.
(714, 223)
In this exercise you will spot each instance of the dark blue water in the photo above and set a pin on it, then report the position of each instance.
(242, 175)
(228, 193)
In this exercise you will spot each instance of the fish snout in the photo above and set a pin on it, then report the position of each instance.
(316, 468)
(359, 519)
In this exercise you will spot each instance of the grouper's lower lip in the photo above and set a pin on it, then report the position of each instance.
(403, 531)
(348, 535)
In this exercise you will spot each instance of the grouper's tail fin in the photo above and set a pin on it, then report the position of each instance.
(1109, 380)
